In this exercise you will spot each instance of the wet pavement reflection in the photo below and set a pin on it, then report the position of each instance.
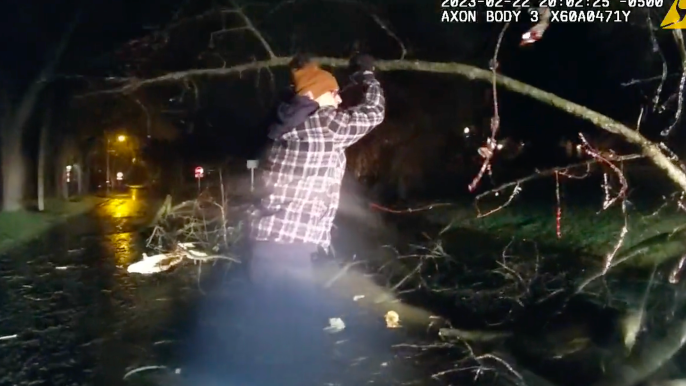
(122, 213)
(71, 314)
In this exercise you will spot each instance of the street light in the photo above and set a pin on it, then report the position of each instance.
(120, 138)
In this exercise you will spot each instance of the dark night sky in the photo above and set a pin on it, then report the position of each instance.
(36, 25)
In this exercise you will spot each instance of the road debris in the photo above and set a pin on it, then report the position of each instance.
(392, 319)
(335, 325)
(155, 263)
(144, 368)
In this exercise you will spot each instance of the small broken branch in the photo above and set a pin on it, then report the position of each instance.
(656, 49)
(679, 39)
(495, 119)
(251, 27)
(551, 172)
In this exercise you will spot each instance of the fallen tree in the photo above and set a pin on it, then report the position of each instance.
(649, 149)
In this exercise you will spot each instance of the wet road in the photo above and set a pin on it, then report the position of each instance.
(72, 315)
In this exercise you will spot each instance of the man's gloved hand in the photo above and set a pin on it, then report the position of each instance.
(299, 61)
(361, 66)
(361, 63)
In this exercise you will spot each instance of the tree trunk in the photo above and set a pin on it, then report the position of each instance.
(65, 189)
(87, 177)
(79, 179)
(7, 121)
(42, 155)
(59, 176)
(13, 168)
(13, 163)
(61, 162)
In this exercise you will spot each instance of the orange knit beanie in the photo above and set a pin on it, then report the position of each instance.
(313, 79)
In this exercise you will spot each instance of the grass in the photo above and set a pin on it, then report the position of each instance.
(21, 226)
(584, 225)
(584, 228)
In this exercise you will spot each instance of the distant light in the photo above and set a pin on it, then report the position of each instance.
(500, 146)
(68, 168)
(120, 176)
(121, 138)
(466, 130)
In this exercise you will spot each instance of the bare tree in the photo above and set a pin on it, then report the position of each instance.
(42, 152)
(13, 163)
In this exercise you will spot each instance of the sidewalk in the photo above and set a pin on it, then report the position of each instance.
(19, 227)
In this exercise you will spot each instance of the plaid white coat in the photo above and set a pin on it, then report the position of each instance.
(303, 169)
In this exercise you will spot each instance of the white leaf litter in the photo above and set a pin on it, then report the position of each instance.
(153, 264)
(392, 319)
(335, 325)
(164, 261)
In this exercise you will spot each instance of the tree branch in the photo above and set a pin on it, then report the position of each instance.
(247, 25)
(551, 172)
(648, 359)
(679, 40)
(651, 150)
(25, 108)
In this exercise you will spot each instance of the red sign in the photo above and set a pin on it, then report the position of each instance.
(199, 172)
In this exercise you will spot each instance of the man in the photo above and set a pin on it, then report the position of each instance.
(301, 176)
(305, 162)
(304, 165)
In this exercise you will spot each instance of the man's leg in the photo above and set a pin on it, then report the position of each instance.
(285, 338)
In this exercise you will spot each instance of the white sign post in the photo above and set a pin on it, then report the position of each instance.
(66, 182)
(252, 165)
(199, 174)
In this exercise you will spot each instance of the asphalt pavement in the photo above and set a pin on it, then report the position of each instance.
(72, 315)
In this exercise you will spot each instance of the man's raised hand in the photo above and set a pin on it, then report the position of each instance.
(361, 66)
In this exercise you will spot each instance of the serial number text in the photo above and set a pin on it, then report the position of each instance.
(584, 16)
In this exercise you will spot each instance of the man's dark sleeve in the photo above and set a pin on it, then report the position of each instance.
(350, 125)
